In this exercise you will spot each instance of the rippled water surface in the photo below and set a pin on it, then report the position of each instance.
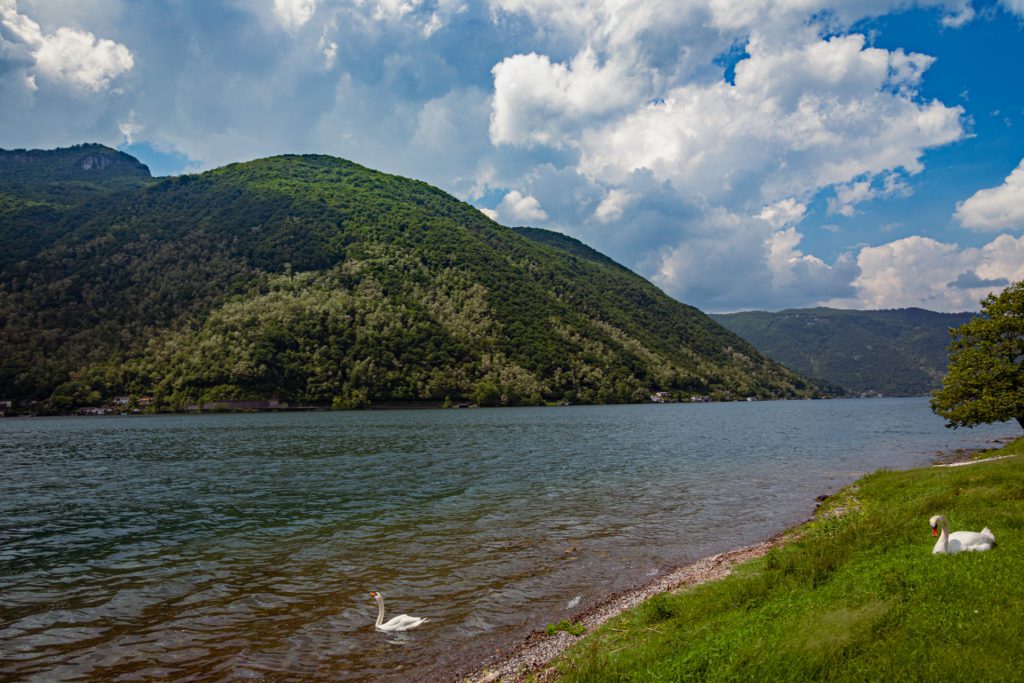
(243, 546)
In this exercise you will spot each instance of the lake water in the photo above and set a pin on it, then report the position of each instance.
(244, 546)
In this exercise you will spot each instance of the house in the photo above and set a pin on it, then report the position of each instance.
(121, 400)
(660, 397)
(92, 410)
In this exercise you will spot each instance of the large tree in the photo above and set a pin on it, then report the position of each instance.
(985, 381)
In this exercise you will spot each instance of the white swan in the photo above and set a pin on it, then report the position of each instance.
(958, 541)
(403, 622)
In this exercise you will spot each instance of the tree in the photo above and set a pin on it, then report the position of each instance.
(985, 380)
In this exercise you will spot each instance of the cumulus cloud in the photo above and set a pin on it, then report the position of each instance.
(920, 271)
(995, 208)
(733, 262)
(517, 209)
(785, 212)
(537, 102)
(293, 14)
(67, 55)
(613, 205)
(848, 195)
(796, 120)
(1014, 6)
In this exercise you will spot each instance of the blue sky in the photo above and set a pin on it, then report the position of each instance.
(738, 153)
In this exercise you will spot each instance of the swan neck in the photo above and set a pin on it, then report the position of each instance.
(944, 536)
(380, 610)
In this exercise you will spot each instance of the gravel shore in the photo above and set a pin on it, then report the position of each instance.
(534, 655)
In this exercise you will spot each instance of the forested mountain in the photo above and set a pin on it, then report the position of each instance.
(899, 352)
(314, 279)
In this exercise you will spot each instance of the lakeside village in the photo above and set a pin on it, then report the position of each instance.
(145, 405)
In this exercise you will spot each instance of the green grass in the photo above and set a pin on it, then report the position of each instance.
(857, 596)
(1012, 448)
(567, 626)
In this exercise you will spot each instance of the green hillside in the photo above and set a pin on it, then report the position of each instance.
(900, 352)
(314, 279)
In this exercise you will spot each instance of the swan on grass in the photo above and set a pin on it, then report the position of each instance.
(959, 541)
(403, 622)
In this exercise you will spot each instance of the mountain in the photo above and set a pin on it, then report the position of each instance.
(900, 352)
(313, 279)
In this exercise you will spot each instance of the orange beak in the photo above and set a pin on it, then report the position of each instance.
(935, 532)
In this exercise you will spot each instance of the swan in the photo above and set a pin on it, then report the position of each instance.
(403, 622)
(957, 541)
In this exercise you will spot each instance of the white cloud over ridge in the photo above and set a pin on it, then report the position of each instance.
(996, 208)
(67, 55)
(922, 272)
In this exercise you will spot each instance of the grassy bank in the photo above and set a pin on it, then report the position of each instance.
(854, 595)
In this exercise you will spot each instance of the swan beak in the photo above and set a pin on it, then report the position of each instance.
(935, 532)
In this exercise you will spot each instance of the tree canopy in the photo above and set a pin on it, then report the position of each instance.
(315, 280)
(985, 382)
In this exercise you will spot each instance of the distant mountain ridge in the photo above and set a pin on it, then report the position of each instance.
(897, 352)
(313, 279)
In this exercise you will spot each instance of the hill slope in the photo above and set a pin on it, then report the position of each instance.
(900, 352)
(315, 279)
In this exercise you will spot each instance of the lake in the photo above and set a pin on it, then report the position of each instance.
(244, 546)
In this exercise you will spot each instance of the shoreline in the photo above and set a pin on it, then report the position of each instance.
(534, 653)
(538, 649)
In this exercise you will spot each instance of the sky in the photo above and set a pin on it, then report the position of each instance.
(740, 154)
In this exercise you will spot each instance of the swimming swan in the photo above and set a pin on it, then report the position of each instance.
(403, 622)
(957, 541)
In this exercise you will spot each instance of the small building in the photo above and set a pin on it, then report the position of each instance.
(660, 397)
(92, 410)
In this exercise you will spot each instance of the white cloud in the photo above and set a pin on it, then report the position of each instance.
(1014, 6)
(329, 48)
(996, 208)
(391, 10)
(796, 120)
(433, 25)
(785, 212)
(785, 260)
(920, 271)
(490, 213)
(848, 195)
(516, 208)
(537, 102)
(130, 128)
(67, 55)
(958, 18)
(613, 205)
(293, 14)
(739, 262)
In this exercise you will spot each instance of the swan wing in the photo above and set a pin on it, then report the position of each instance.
(403, 622)
(971, 540)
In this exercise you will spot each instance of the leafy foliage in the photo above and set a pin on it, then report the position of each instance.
(900, 352)
(986, 365)
(314, 279)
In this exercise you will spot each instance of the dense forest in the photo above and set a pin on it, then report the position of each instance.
(314, 280)
(898, 352)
